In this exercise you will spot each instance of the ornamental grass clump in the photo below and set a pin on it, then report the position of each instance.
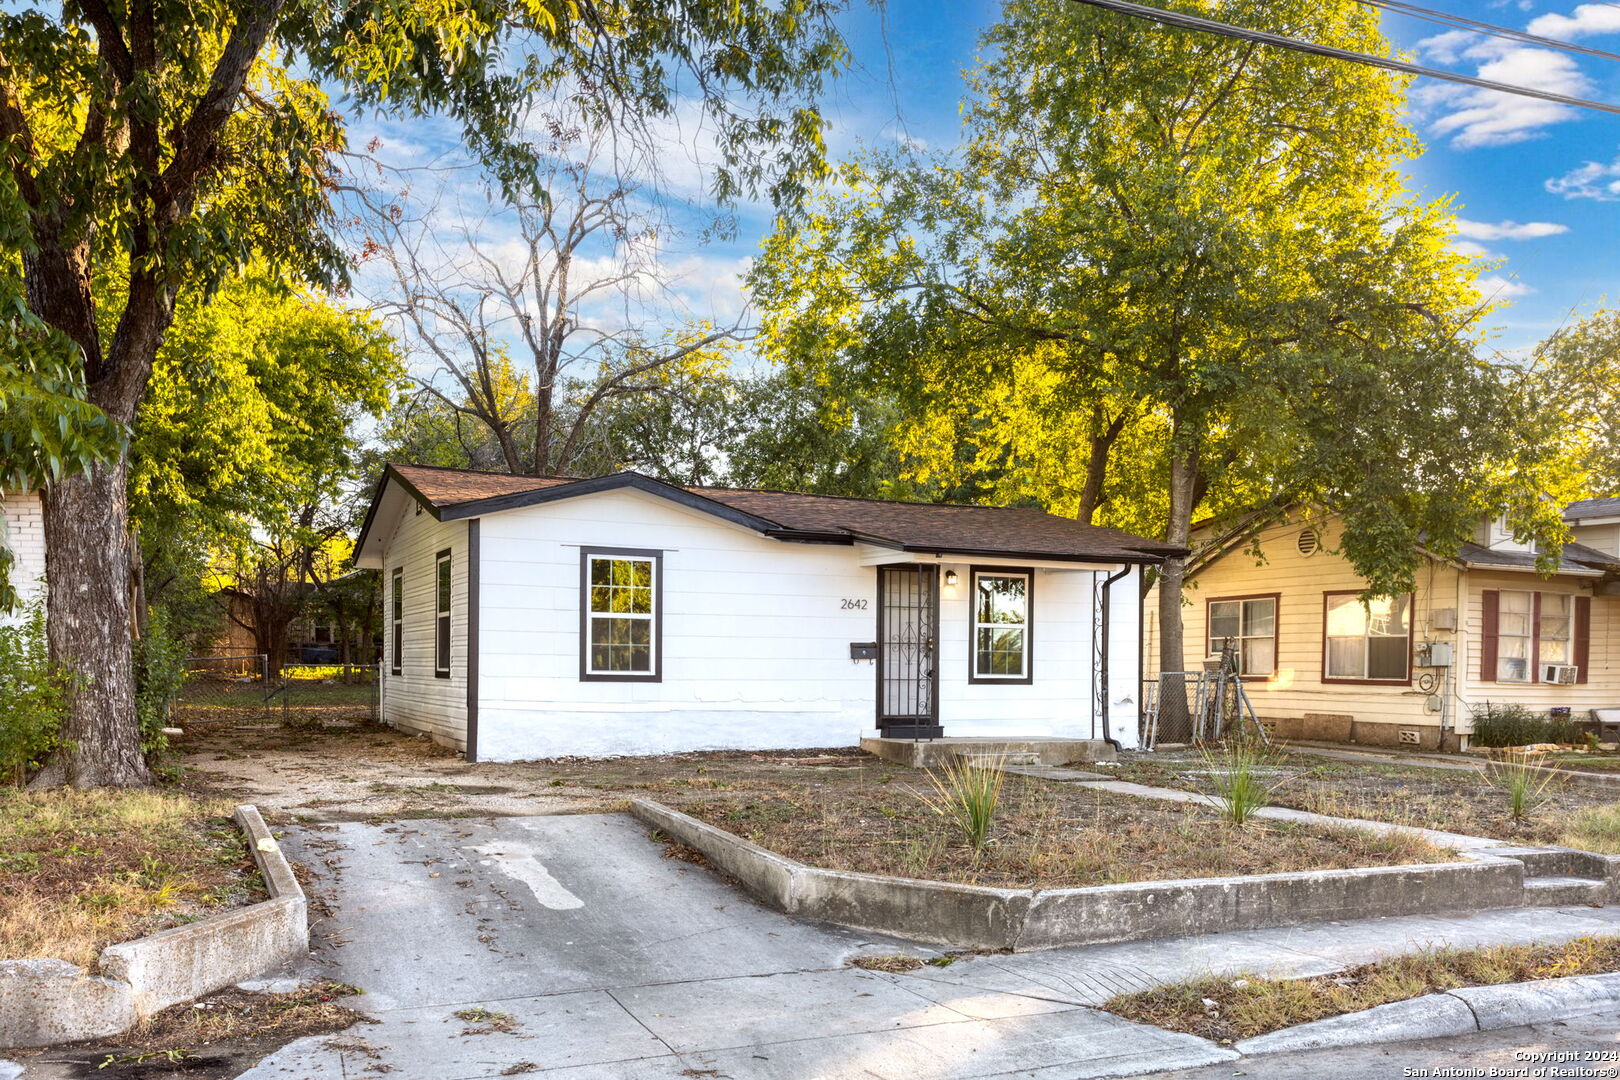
(1244, 774)
(1524, 783)
(966, 795)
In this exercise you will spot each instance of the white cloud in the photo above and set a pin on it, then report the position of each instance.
(1473, 250)
(1593, 180)
(1493, 287)
(1472, 116)
(1508, 230)
(1585, 21)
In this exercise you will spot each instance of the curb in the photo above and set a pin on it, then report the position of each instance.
(1026, 920)
(47, 1001)
(1454, 1012)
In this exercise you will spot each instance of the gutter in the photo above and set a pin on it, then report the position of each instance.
(1102, 673)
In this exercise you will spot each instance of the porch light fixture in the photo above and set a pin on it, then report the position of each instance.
(950, 578)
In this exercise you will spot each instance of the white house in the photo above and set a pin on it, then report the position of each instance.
(23, 520)
(534, 617)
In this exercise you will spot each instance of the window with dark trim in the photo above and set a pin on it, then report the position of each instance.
(621, 614)
(1366, 642)
(441, 615)
(1250, 624)
(1000, 650)
(397, 618)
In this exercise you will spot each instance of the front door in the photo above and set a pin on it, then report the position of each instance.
(908, 634)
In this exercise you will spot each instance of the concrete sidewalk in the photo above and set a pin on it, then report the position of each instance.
(612, 961)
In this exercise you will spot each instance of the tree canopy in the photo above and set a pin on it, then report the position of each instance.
(173, 144)
(1168, 275)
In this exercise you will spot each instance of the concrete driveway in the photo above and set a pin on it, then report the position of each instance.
(592, 955)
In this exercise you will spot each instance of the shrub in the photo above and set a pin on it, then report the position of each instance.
(1514, 725)
(966, 795)
(33, 697)
(1525, 782)
(160, 672)
(1239, 772)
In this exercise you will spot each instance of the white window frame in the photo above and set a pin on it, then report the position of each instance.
(1568, 638)
(588, 671)
(1026, 672)
(1243, 635)
(1366, 648)
(1528, 637)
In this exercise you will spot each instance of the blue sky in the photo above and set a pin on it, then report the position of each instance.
(1506, 161)
(1537, 185)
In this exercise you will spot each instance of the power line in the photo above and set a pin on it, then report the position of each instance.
(1463, 22)
(1262, 37)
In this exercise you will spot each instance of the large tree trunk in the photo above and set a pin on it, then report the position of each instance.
(1178, 529)
(87, 561)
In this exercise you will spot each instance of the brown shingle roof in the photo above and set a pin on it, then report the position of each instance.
(947, 528)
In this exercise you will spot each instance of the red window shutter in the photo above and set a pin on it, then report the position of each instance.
(1582, 650)
(1491, 603)
(1535, 637)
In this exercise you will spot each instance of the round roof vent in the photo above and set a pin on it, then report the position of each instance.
(1308, 542)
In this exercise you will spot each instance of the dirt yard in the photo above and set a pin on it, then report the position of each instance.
(363, 772)
(1044, 834)
(81, 870)
(1452, 800)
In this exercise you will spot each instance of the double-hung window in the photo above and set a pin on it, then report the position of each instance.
(441, 615)
(1249, 624)
(1555, 624)
(1001, 626)
(1532, 629)
(1369, 642)
(1515, 635)
(397, 618)
(620, 614)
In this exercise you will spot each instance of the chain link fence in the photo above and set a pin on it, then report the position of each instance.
(219, 688)
(319, 694)
(242, 689)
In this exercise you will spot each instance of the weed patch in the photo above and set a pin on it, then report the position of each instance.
(1229, 1009)
(87, 869)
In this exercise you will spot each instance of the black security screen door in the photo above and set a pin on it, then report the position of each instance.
(908, 621)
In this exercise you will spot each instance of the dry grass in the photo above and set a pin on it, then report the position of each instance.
(1597, 828)
(893, 963)
(1451, 800)
(1229, 1009)
(80, 870)
(1045, 835)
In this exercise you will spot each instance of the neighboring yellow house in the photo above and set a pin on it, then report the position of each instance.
(1484, 626)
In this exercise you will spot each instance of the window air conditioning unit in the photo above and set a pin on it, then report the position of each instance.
(1559, 674)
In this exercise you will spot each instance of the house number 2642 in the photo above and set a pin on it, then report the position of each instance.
(850, 604)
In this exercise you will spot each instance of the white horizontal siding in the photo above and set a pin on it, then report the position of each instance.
(25, 536)
(416, 699)
(755, 643)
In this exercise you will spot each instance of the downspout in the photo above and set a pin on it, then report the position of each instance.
(1102, 670)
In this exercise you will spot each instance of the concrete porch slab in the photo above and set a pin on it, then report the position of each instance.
(1034, 750)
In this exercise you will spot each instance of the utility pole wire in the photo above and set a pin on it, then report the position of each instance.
(1463, 22)
(1262, 37)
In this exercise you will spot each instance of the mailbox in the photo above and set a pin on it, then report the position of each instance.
(863, 650)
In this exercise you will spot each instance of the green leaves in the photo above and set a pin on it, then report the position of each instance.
(1156, 246)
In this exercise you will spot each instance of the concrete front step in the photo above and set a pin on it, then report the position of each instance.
(1033, 750)
(983, 759)
(1559, 891)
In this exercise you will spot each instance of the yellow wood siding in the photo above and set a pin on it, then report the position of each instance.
(1302, 581)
